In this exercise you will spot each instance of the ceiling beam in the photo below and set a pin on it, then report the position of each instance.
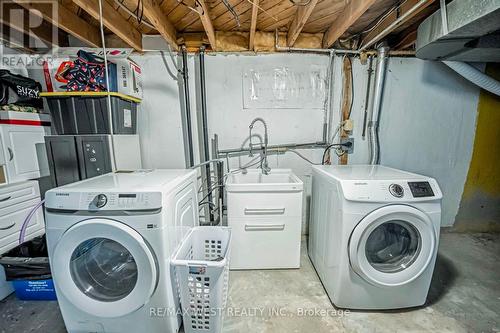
(351, 13)
(206, 21)
(253, 24)
(407, 41)
(65, 20)
(395, 18)
(300, 19)
(113, 21)
(159, 19)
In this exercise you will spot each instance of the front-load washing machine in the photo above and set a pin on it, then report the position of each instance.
(373, 235)
(110, 239)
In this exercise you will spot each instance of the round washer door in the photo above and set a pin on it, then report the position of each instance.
(392, 245)
(104, 268)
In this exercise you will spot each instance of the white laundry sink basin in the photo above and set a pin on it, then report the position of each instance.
(255, 181)
(265, 214)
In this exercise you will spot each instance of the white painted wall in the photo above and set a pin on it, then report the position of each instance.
(427, 122)
(159, 115)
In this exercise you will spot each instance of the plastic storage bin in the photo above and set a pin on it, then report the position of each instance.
(201, 266)
(27, 266)
(87, 113)
(35, 290)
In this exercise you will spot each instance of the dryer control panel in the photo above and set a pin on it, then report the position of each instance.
(391, 190)
(421, 189)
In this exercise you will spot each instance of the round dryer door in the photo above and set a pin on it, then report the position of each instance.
(104, 268)
(392, 245)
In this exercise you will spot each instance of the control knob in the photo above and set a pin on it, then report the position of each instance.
(396, 190)
(100, 200)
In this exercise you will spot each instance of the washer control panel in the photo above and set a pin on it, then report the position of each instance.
(396, 190)
(100, 200)
(95, 201)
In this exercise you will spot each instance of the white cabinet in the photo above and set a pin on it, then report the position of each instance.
(265, 214)
(24, 152)
(16, 202)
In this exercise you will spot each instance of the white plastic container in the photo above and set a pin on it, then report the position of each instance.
(201, 266)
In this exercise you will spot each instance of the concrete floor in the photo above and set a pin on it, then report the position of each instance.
(464, 297)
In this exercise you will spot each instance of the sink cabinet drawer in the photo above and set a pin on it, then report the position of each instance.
(265, 242)
(11, 220)
(250, 205)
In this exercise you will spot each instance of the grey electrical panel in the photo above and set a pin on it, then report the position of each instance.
(77, 157)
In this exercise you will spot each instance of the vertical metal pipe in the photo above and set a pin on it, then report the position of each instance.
(187, 133)
(374, 149)
(201, 101)
(367, 98)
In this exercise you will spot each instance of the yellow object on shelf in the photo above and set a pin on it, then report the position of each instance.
(89, 94)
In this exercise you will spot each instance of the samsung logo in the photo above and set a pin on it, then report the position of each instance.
(62, 194)
(360, 183)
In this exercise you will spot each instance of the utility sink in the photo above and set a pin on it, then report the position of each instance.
(255, 181)
(265, 214)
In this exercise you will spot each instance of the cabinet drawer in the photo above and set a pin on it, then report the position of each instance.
(11, 221)
(265, 243)
(249, 205)
(16, 193)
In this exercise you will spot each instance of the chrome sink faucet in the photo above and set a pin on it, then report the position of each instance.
(263, 164)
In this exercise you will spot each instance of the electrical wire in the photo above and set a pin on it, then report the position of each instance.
(232, 11)
(174, 77)
(327, 149)
(298, 3)
(131, 13)
(302, 156)
(110, 110)
(197, 2)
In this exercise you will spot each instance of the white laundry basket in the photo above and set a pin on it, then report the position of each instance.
(201, 265)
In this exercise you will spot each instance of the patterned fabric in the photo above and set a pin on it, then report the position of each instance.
(86, 73)
(19, 108)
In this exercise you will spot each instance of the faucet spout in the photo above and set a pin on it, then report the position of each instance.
(264, 164)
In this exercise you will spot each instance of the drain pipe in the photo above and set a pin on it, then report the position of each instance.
(373, 143)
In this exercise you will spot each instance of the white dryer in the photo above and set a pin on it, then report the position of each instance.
(110, 239)
(373, 235)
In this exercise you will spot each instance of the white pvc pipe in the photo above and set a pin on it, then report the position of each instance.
(475, 76)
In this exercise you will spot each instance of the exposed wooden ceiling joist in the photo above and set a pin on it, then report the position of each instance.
(300, 19)
(407, 41)
(395, 18)
(253, 24)
(207, 22)
(66, 20)
(113, 21)
(159, 19)
(352, 11)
